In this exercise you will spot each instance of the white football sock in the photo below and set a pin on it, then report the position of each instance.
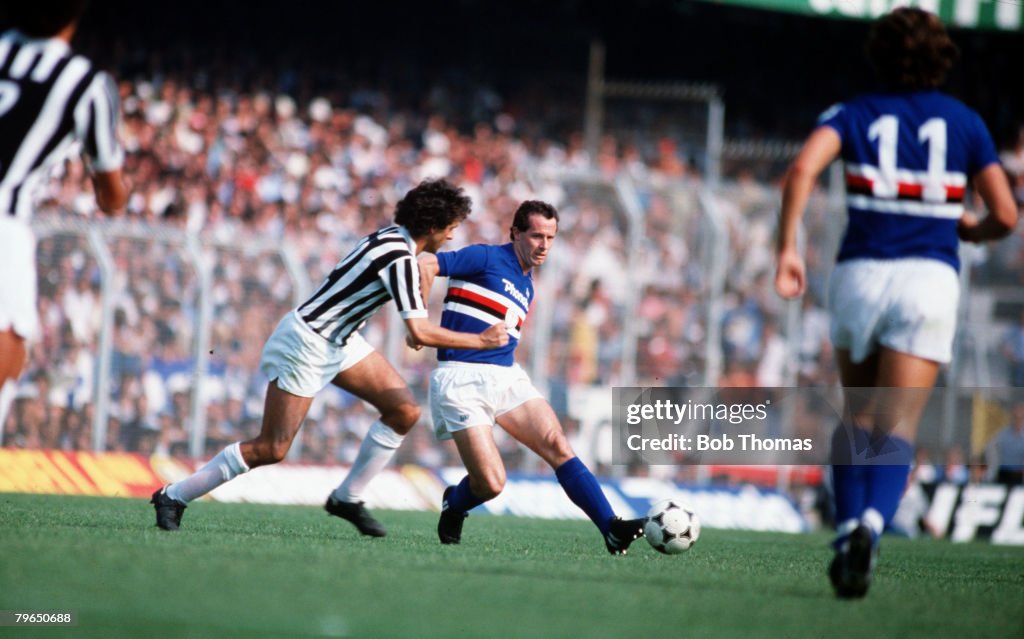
(224, 467)
(376, 451)
(874, 521)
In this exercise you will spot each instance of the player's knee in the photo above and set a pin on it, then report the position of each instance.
(402, 418)
(265, 453)
(489, 485)
(278, 451)
(556, 448)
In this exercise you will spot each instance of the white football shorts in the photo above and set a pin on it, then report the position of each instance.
(907, 305)
(303, 362)
(463, 395)
(18, 278)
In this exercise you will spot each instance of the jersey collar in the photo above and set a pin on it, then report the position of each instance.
(408, 237)
(50, 43)
(510, 249)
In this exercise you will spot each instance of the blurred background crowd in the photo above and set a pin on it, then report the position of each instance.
(299, 134)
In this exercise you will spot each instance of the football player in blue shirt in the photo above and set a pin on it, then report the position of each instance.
(471, 390)
(910, 153)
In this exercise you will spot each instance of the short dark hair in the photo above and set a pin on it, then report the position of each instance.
(431, 206)
(910, 49)
(44, 18)
(521, 220)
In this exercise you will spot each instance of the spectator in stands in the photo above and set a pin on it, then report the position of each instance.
(815, 345)
(1009, 449)
(1012, 348)
(1013, 159)
(924, 470)
(771, 367)
(955, 469)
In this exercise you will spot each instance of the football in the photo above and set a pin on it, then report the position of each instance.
(671, 527)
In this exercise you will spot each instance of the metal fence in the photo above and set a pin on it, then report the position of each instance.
(152, 335)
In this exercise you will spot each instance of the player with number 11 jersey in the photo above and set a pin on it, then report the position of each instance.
(910, 153)
(908, 157)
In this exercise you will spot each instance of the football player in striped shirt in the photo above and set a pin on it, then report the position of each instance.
(472, 390)
(318, 343)
(910, 153)
(52, 100)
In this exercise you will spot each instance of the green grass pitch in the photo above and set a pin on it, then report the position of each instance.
(270, 571)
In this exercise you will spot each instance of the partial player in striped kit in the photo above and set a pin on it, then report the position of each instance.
(910, 153)
(318, 343)
(52, 101)
(472, 390)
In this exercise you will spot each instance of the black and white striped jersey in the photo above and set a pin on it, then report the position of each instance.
(50, 100)
(381, 267)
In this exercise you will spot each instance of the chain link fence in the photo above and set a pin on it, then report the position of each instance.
(152, 335)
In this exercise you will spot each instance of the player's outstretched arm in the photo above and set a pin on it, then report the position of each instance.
(994, 189)
(111, 192)
(423, 333)
(429, 268)
(821, 147)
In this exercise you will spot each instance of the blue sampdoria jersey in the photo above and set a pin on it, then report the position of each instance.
(486, 285)
(908, 159)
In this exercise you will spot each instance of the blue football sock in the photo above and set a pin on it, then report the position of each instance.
(848, 473)
(887, 474)
(462, 498)
(582, 488)
(849, 492)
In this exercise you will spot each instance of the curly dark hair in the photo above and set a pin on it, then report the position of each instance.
(521, 220)
(431, 206)
(44, 18)
(910, 49)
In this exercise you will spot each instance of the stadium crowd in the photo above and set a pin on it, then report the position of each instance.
(248, 170)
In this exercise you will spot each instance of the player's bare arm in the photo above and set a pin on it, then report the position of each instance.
(429, 268)
(111, 191)
(423, 333)
(818, 151)
(994, 189)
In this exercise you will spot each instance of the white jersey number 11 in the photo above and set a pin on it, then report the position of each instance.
(933, 133)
